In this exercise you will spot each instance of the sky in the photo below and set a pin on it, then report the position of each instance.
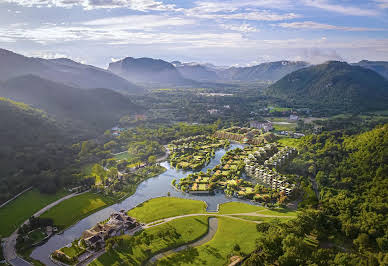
(225, 33)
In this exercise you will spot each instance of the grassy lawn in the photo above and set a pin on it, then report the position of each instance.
(16, 212)
(36, 235)
(72, 210)
(73, 250)
(164, 207)
(285, 127)
(289, 142)
(238, 207)
(263, 219)
(138, 249)
(215, 252)
(123, 156)
(280, 212)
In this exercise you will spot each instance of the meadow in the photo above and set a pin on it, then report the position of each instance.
(238, 207)
(164, 207)
(19, 210)
(74, 209)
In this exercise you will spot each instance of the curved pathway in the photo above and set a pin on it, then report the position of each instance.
(213, 225)
(9, 249)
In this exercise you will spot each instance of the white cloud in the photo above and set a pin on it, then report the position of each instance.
(314, 26)
(139, 22)
(260, 15)
(382, 3)
(347, 10)
(241, 28)
(141, 5)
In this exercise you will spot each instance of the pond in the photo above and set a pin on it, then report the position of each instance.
(154, 187)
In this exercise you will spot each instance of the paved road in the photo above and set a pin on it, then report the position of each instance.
(165, 156)
(213, 225)
(9, 249)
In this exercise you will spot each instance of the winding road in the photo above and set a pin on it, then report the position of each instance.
(9, 249)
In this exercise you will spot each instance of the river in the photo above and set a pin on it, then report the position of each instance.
(153, 187)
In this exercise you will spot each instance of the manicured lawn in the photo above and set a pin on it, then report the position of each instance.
(291, 142)
(73, 250)
(37, 235)
(285, 127)
(123, 156)
(16, 212)
(70, 211)
(280, 212)
(164, 207)
(138, 249)
(263, 219)
(238, 207)
(215, 252)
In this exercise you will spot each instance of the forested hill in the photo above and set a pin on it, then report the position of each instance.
(350, 223)
(64, 71)
(333, 87)
(29, 143)
(82, 112)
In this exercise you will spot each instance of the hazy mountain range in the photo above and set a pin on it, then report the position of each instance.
(64, 71)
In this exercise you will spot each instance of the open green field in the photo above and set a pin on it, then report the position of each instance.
(215, 252)
(238, 207)
(138, 249)
(290, 142)
(123, 156)
(263, 219)
(285, 127)
(70, 211)
(164, 207)
(16, 212)
(280, 212)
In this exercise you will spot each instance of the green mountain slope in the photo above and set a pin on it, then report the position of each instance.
(85, 112)
(30, 142)
(380, 67)
(334, 87)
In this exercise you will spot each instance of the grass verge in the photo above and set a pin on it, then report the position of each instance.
(19, 210)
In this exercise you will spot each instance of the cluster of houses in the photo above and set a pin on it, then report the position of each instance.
(116, 131)
(258, 167)
(117, 224)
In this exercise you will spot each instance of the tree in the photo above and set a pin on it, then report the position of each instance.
(152, 159)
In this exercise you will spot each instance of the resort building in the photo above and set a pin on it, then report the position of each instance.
(116, 225)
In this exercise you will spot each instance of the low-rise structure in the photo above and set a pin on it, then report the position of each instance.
(116, 225)
(265, 126)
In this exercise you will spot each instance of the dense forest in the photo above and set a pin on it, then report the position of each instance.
(349, 225)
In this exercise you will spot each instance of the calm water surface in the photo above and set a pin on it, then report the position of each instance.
(154, 187)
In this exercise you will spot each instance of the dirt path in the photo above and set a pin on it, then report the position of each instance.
(213, 225)
(9, 249)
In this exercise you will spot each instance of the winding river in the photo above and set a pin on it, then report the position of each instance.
(154, 187)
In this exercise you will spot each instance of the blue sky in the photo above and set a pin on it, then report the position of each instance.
(243, 32)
